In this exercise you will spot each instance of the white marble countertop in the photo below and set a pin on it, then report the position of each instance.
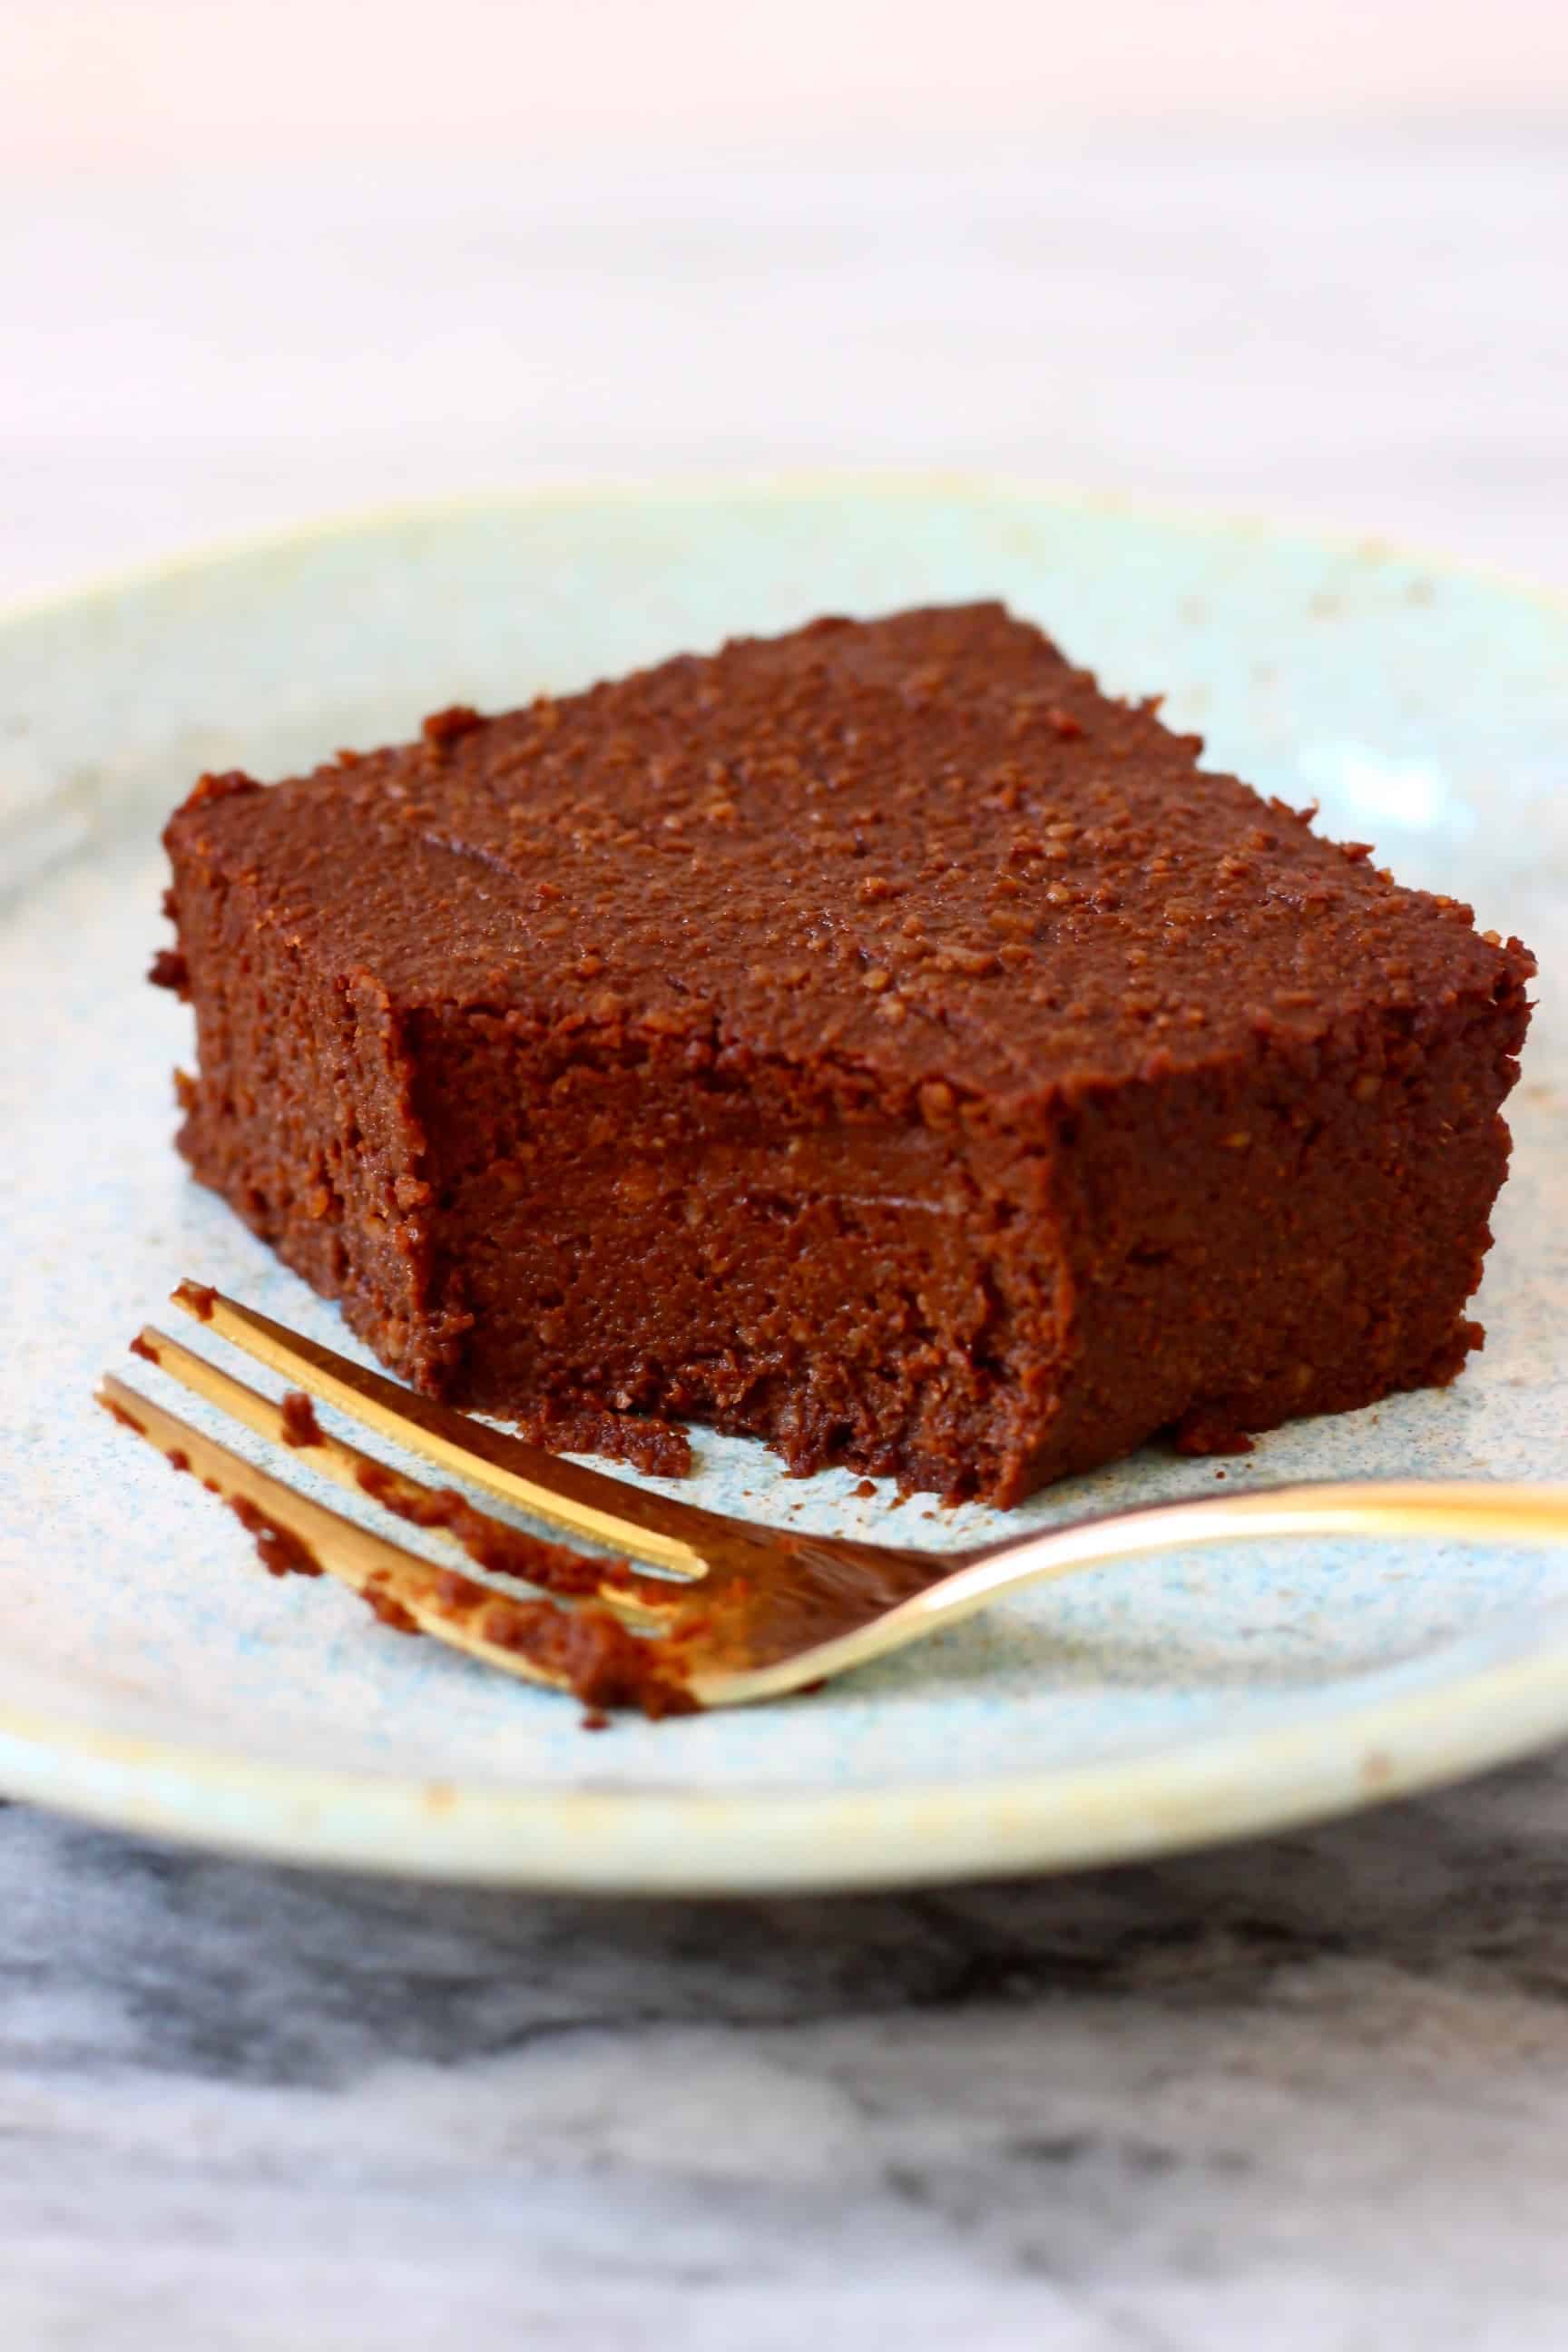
(1304, 2094)
(1310, 2094)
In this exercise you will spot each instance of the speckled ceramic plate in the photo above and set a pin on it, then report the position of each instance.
(151, 1675)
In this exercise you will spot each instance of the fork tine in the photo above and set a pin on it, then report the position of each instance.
(641, 1602)
(580, 1647)
(652, 1527)
(332, 1457)
(299, 1535)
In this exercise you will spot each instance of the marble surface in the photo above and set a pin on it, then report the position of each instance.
(1308, 2093)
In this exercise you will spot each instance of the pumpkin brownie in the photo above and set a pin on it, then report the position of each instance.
(874, 1039)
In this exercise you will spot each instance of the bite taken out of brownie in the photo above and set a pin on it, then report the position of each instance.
(873, 1039)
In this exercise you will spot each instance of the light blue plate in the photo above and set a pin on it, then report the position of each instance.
(151, 1675)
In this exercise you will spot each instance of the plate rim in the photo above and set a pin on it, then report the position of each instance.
(753, 1842)
(1190, 1793)
(777, 486)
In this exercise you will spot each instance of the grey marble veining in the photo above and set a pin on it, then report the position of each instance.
(1312, 2093)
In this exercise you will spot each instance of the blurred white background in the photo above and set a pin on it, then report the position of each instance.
(260, 258)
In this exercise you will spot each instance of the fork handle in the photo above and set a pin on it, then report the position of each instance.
(1461, 1510)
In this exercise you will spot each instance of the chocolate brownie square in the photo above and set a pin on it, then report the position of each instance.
(875, 1039)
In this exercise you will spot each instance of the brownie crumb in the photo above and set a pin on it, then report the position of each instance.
(143, 1348)
(456, 1594)
(389, 1611)
(583, 1647)
(230, 785)
(281, 1551)
(300, 1426)
(127, 1420)
(864, 1489)
(449, 726)
(490, 1544)
(199, 1297)
(168, 969)
(591, 1651)
(1208, 1430)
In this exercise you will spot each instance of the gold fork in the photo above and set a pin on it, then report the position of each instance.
(735, 1613)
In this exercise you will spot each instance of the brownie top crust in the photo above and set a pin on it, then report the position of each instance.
(925, 847)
